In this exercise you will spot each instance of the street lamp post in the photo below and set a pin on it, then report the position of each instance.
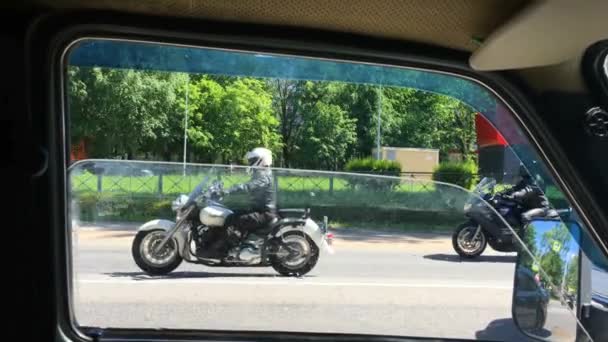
(186, 124)
(379, 124)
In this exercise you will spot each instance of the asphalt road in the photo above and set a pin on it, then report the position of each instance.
(386, 284)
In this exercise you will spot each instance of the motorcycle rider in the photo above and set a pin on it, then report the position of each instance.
(260, 187)
(262, 205)
(530, 196)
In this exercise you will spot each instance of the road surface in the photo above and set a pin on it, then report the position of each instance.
(391, 284)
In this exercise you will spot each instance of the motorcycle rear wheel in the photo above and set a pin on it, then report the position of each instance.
(462, 244)
(295, 267)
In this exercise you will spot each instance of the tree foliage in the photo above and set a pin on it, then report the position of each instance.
(321, 125)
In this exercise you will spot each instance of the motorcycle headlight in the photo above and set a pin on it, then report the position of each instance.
(179, 202)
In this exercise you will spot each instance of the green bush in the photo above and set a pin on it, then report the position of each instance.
(350, 206)
(93, 207)
(461, 174)
(373, 167)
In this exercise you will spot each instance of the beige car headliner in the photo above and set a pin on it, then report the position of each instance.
(542, 40)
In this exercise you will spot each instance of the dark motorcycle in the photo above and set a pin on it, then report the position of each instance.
(484, 226)
(290, 244)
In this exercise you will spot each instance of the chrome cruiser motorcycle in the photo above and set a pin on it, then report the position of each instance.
(290, 244)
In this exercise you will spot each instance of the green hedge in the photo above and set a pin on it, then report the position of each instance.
(94, 207)
(461, 174)
(355, 207)
(374, 167)
(345, 206)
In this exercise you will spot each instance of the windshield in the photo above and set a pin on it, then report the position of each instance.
(388, 157)
(485, 185)
(196, 192)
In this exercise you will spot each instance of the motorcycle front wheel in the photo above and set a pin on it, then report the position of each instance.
(151, 262)
(462, 240)
(303, 257)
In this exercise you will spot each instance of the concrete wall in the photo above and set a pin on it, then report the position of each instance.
(412, 160)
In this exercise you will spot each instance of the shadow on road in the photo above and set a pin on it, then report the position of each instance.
(187, 275)
(481, 258)
(502, 330)
(119, 235)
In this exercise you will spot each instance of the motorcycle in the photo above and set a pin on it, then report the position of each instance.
(290, 244)
(483, 226)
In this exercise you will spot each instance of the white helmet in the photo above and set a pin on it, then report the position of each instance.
(259, 156)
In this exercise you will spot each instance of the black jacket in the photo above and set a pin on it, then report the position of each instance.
(529, 195)
(261, 189)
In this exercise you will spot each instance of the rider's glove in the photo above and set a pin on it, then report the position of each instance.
(235, 188)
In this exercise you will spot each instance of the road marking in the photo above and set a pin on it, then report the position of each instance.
(294, 282)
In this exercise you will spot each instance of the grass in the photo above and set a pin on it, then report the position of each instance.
(178, 184)
(411, 206)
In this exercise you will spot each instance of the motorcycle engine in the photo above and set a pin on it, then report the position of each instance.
(250, 255)
(246, 254)
(200, 233)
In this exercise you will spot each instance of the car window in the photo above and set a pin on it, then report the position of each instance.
(225, 190)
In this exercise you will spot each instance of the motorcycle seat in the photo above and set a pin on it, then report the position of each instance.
(285, 213)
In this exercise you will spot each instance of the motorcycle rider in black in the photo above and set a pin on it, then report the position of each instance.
(262, 209)
(262, 203)
(531, 197)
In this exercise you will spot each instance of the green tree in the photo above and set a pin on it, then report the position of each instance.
(529, 240)
(328, 133)
(360, 102)
(415, 118)
(162, 95)
(228, 119)
(287, 104)
(204, 100)
(554, 249)
(572, 274)
(122, 112)
(553, 265)
(128, 113)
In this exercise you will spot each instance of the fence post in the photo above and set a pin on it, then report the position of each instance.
(276, 188)
(99, 183)
(331, 184)
(160, 184)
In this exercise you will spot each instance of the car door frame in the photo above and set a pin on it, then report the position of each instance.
(50, 35)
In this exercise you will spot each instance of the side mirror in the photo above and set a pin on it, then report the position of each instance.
(546, 283)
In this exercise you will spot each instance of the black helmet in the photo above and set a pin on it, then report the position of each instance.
(523, 172)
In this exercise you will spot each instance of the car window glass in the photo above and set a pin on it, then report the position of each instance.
(355, 217)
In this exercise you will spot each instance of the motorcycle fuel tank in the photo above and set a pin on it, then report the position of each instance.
(214, 216)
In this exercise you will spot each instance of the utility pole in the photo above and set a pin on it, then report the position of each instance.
(379, 124)
(186, 125)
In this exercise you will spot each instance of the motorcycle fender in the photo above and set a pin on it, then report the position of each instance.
(165, 225)
(311, 229)
(180, 237)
